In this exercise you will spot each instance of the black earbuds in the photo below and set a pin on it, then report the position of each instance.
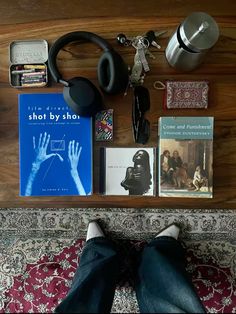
(80, 93)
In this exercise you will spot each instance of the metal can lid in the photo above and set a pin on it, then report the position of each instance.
(199, 31)
(28, 51)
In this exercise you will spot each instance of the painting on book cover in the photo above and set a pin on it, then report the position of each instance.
(186, 168)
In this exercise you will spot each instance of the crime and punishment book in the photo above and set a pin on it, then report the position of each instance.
(185, 157)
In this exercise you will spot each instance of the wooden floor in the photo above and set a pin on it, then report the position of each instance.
(33, 19)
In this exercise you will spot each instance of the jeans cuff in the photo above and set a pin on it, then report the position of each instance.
(165, 239)
(99, 240)
(96, 239)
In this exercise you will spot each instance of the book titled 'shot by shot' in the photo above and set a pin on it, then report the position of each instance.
(186, 157)
(55, 147)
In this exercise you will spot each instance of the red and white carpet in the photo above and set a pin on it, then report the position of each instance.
(40, 249)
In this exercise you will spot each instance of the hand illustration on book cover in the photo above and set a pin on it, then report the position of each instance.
(40, 157)
(40, 148)
(74, 151)
(138, 177)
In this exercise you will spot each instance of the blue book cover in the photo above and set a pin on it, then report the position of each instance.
(186, 156)
(55, 147)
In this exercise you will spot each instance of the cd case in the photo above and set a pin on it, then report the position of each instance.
(128, 171)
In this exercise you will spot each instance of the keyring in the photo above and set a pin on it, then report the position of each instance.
(159, 85)
(140, 40)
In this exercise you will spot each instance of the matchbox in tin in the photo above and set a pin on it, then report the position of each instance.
(28, 63)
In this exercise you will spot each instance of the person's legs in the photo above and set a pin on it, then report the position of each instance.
(163, 284)
(196, 184)
(94, 283)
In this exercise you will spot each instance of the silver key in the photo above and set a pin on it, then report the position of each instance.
(142, 53)
(157, 34)
(137, 70)
(155, 44)
(160, 33)
(141, 44)
(151, 36)
(150, 55)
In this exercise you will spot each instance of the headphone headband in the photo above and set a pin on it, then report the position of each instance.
(66, 39)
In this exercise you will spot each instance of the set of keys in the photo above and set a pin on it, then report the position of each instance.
(141, 45)
(141, 97)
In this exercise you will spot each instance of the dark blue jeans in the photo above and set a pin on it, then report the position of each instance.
(161, 282)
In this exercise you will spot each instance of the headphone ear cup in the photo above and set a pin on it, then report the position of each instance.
(113, 73)
(83, 97)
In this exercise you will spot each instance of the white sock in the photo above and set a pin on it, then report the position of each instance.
(94, 230)
(171, 231)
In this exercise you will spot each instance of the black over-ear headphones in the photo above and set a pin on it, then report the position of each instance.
(80, 93)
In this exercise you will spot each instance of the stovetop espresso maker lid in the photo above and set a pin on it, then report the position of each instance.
(199, 31)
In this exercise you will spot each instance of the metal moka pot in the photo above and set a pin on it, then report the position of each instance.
(191, 41)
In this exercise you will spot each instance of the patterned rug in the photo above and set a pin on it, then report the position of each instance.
(39, 252)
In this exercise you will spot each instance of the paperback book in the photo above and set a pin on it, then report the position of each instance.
(55, 147)
(186, 157)
(127, 171)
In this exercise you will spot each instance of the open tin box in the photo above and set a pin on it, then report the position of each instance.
(28, 66)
